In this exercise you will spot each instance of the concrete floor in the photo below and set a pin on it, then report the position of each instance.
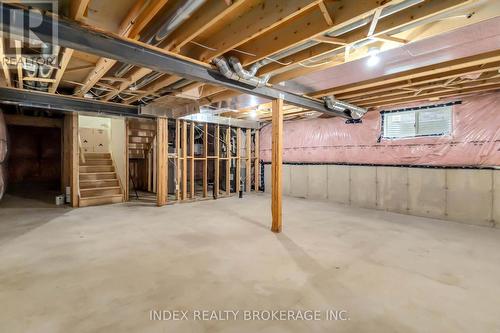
(102, 269)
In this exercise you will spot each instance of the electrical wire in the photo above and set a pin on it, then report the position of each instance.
(244, 52)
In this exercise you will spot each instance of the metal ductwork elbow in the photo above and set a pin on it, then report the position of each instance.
(355, 112)
(224, 69)
(236, 72)
(248, 75)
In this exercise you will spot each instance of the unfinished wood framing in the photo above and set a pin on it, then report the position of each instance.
(178, 159)
(192, 160)
(184, 159)
(228, 161)
(238, 160)
(257, 161)
(71, 155)
(162, 161)
(205, 160)
(277, 161)
(217, 161)
(126, 183)
(248, 160)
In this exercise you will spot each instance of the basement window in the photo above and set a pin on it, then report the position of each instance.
(410, 123)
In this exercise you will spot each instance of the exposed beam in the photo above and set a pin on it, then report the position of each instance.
(259, 18)
(326, 14)
(154, 87)
(136, 76)
(66, 57)
(208, 15)
(384, 26)
(422, 95)
(48, 101)
(422, 88)
(131, 26)
(77, 12)
(330, 40)
(78, 8)
(415, 74)
(277, 165)
(385, 37)
(309, 25)
(373, 24)
(110, 46)
(146, 16)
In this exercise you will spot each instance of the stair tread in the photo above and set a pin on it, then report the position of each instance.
(98, 180)
(100, 188)
(97, 173)
(102, 196)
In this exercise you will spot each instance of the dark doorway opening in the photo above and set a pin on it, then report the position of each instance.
(34, 162)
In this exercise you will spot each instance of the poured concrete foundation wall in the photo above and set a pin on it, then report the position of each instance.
(464, 195)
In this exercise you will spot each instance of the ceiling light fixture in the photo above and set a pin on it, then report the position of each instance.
(373, 59)
(253, 114)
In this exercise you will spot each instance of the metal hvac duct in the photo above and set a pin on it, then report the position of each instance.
(340, 106)
(172, 22)
(179, 16)
(389, 10)
(238, 73)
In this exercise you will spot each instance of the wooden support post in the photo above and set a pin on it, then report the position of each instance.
(248, 165)
(178, 160)
(217, 160)
(73, 155)
(277, 159)
(192, 174)
(161, 161)
(126, 183)
(184, 160)
(257, 161)
(205, 161)
(238, 160)
(228, 161)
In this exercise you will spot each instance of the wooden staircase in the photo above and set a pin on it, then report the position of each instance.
(99, 184)
(141, 136)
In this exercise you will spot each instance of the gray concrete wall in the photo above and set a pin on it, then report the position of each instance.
(463, 195)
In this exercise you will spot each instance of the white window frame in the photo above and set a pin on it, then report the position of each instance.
(417, 112)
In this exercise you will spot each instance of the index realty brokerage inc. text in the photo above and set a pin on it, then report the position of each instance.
(249, 315)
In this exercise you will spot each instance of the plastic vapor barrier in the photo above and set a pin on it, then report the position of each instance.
(474, 139)
(3, 155)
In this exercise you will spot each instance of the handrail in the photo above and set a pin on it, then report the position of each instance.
(80, 149)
